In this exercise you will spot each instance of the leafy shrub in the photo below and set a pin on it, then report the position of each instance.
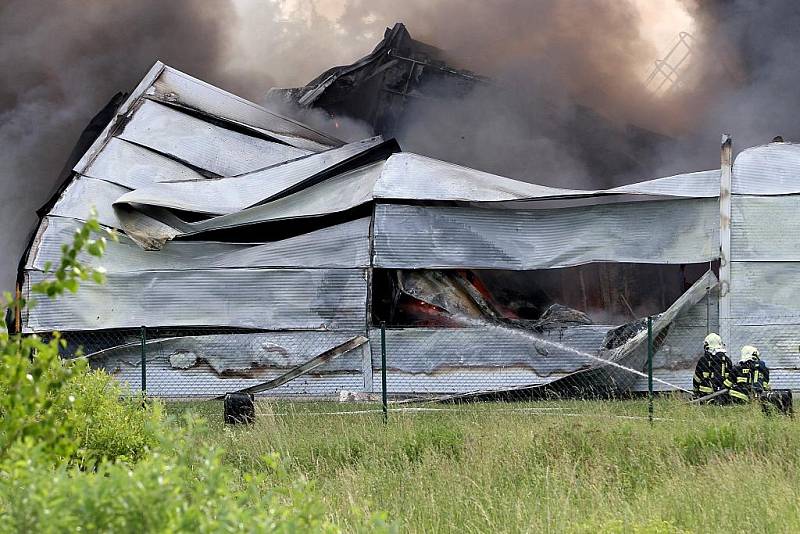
(29, 387)
(186, 489)
(135, 472)
(33, 403)
(108, 422)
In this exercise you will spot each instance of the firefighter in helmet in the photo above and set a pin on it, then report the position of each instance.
(713, 371)
(750, 376)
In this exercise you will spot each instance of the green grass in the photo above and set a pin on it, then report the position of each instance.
(575, 468)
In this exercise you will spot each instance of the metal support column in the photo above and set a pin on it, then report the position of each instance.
(384, 399)
(650, 368)
(144, 360)
(726, 172)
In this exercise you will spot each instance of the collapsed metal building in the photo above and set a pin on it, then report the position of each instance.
(255, 244)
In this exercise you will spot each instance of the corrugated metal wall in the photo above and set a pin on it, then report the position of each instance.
(765, 258)
(667, 231)
(275, 299)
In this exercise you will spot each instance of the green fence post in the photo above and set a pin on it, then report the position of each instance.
(650, 368)
(383, 374)
(144, 361)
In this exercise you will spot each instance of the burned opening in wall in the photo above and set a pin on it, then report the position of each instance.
(599, 293)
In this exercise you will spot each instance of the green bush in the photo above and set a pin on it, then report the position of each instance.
(185, 489)
(109, 423)
(34, 405)
(77, 454)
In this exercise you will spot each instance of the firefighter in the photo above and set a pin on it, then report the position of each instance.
(750, 376)
(713, 371)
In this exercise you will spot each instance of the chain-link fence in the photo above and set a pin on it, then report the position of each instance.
(481, 362)
(206, 363)
(401, 365)
(502, 363)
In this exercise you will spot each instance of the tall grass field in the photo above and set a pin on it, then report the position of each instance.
(565, 466)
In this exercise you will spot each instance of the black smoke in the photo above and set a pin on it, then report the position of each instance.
(746, 81)
(62, 60)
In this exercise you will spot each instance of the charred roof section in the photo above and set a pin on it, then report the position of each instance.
(377, 88)
(405, 82)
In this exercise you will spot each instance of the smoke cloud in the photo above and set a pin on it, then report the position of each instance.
(555, 60)
(550, 61)
(63, 60)
(745, 78)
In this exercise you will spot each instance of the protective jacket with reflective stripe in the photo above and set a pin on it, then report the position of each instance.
(713, 373)
(749, 377)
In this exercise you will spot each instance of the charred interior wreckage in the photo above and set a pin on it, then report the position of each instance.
(255, 246)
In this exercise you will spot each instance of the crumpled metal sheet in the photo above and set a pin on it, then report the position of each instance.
(177, 88)
(344, 245)
(754, 234)
(765, 293)
(209, 366)
(276, 299)
(410, 176)
(681, 328)
(133, 166)
(203, 144)
(401, 176)
(704, 313)
(233, 354)
(148, 227)
(337, 194)
(676, 231)
(83, 194)
(229, 195)
(449, 360)
(772, 169)
(447, 292)
(702, 184)
(678, 353)
(123, 114)
(633, 353)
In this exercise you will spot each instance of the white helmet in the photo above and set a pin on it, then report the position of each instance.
(749, 353)
(713, 343)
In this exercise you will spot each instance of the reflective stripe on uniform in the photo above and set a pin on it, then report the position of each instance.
(741, 379)
(705, 389)
(738, 394)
